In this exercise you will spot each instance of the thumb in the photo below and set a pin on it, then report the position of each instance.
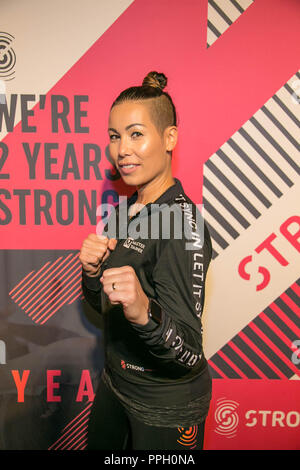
(112, 243)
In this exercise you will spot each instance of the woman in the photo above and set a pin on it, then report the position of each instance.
(155, 389)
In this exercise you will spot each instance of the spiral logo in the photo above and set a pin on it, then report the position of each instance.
(226, 417)
(7, 57)
(188, 436)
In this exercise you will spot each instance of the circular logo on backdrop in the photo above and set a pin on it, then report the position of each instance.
(188, 436)
(226, 417)
(7, 57)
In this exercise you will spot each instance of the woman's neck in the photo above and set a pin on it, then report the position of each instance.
(152, 190)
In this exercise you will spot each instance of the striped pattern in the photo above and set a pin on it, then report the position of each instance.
(42, 293)
(253, 168)
(264, 348)
(221, 14)
(74, 435)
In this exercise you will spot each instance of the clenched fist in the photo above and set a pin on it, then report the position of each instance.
(94, 251)
(128, 292)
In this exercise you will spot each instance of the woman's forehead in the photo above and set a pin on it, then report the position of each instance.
(129, 112)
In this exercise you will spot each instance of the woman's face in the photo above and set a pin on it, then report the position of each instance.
(138, 150)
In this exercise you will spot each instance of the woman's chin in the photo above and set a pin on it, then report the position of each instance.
(130, 180)
(133, 180)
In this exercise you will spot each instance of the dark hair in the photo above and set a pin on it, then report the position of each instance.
(160, 104)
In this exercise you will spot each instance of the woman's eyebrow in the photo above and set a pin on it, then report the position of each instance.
(127, 127)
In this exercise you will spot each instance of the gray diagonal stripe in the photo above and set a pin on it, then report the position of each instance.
(291, 314)
(213, 28)
(237, 6)
(243, 178)
(216, 236)
(281, 325)
(214, 253)
(254, 358)
(220, 11)
(254, 167)
(233, 211)
(289, 89)
(225, 368)
(263, 346)
(272, 336)
(259, 138)
(275, 144)
(233, 189)
(268, 352)
(286, 110)
(239, 362)
(266, 157)
(280, 127)
(222, 221)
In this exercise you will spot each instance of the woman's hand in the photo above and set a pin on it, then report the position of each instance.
(94, 251)
(128, 292)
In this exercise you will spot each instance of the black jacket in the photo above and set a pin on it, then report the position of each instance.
(170, 352)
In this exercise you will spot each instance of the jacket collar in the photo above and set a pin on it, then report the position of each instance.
(167, 197)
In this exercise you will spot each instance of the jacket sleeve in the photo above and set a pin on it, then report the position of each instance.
(179, 282)
(91, 288)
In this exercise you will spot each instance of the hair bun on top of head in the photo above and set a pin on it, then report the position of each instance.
(155, 79)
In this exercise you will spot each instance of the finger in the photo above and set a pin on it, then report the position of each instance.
(102, 237)
(117, 271)
(89, 253)
(96, 236)
(122, 286)
(106, 255)
(122, 296)
(92, 248)
(120, 282)
(94, 240)
(89, 257)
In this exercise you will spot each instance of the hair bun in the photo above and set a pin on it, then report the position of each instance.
(155, 79)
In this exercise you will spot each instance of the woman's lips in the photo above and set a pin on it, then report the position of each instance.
(127, 170)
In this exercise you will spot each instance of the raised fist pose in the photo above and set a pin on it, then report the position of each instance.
(122, 286)
(94, 251)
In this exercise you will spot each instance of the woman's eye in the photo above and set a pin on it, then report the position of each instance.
(134, 134)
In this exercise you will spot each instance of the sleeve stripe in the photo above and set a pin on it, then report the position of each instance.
(196, 247)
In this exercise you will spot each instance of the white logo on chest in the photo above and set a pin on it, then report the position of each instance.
(134, 245)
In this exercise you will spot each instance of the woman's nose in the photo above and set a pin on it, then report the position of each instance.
(124, 147)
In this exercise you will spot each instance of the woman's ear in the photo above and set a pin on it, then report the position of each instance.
(171, 135)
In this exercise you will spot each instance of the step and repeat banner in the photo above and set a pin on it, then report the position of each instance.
(233, 72)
